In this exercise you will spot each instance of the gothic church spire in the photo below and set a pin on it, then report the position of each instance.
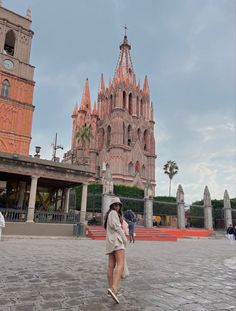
(85, 102)
(124, 66)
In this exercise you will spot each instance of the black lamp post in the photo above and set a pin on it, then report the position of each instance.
(37, 150)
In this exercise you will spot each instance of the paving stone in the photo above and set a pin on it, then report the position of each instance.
(60, 275)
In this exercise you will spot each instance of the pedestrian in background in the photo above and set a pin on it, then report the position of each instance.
(115, 246)
(130, 217)
(230, 234)
(235, 232)
(2, 224)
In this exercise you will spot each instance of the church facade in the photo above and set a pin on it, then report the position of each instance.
(16, 82)
(122, 127)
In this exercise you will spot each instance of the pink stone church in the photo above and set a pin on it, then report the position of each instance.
(122, 127)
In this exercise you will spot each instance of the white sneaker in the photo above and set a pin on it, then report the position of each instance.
(113, 295)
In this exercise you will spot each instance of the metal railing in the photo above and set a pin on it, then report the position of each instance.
(14, 215)
(19, 215)
(56, 217)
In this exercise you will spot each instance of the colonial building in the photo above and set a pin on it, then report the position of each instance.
(122, 127)
(16, 82)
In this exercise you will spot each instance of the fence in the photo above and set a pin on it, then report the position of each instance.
(14, 215)
(218, 218)
(94, 203)
(195, 216)
(164, 213)
(56, 217)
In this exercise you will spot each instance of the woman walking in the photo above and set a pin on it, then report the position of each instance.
(115, 246)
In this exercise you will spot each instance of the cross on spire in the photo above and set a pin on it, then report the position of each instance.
(125, 29)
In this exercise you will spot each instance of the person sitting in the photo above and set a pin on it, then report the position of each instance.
(92, 221)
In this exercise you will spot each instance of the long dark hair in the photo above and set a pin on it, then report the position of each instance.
(119, 212)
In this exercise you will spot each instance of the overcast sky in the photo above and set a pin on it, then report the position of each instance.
(187, 49)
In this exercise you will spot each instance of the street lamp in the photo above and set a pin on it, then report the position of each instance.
(37, 150)
(55, 147)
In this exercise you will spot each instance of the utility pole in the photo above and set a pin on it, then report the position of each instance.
(55, 146)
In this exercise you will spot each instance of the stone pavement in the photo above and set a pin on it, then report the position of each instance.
(70, 274)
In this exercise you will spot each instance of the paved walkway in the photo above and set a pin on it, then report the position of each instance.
(57, 274)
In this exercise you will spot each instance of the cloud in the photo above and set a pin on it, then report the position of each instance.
(208, 133)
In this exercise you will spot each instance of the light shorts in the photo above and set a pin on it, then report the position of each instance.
(117, 248)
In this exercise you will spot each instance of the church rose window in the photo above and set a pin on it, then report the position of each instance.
(5, 88)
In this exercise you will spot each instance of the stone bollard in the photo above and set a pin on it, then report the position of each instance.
(227, 210)
(32, 198)
(148, 205)
(107, 193)
(207, 209)
(180, 208)
(82, 221)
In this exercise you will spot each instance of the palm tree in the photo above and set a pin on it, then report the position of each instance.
(170, 168)
(83, 136)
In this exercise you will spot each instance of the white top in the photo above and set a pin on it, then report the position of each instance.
(115, 236)
(2, 220)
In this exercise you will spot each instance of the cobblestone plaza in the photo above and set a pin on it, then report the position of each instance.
(70, 274)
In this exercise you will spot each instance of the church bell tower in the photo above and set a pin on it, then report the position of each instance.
(16, 82)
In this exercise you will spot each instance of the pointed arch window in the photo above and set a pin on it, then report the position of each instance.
(130, 104)
(106, 106)
(111, 103)
(9, 45)
(131, 169)
(100, 139)
(137, 107)
(5, 88)
(146, 140)
(129, 135)
(137, 167)
(124, 100)
(108, 136)
(143, 171)
(123, 133)
(141, 108)
(139, 134)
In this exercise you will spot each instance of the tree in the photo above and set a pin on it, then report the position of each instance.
(83, 136)
(171, 169)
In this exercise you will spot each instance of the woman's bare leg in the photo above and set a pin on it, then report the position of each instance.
(110, 268)
(119, 260)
